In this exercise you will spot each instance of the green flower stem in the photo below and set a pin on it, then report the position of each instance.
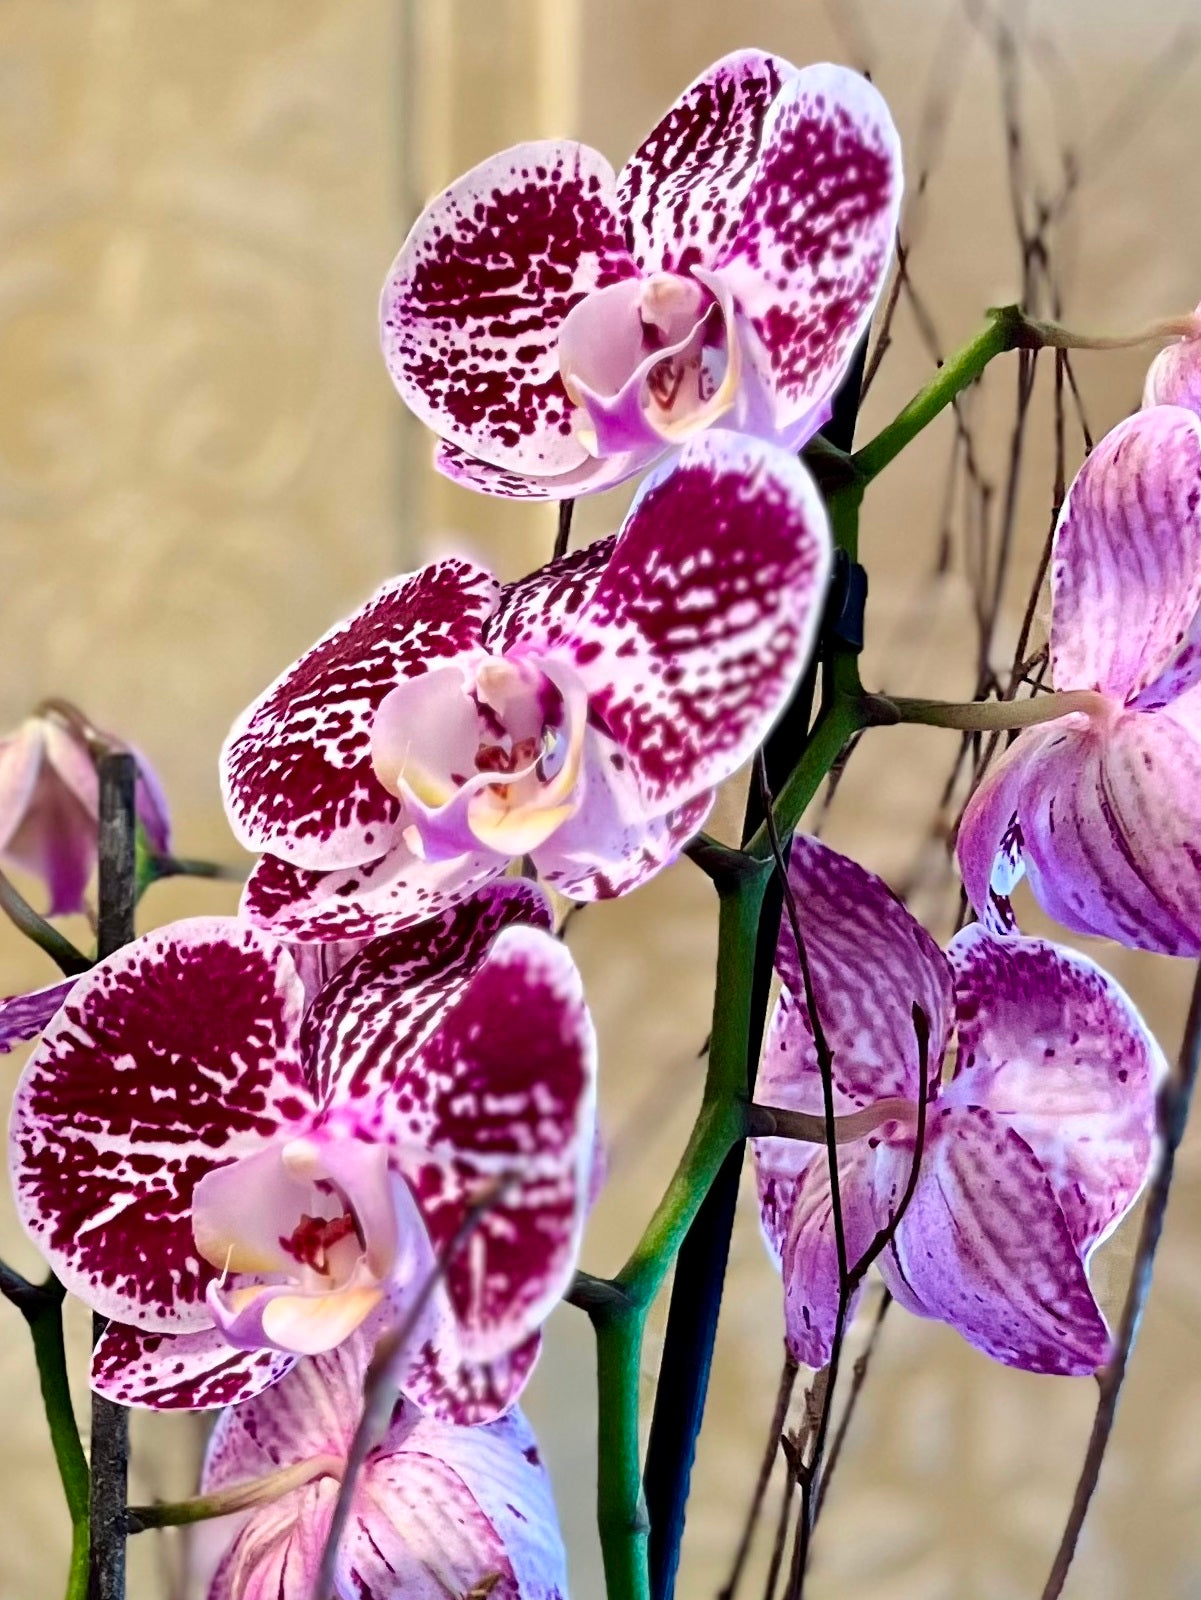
(70, 961)
(621, 1321)
(986, 715)
(43, 1311)
(236, 1497)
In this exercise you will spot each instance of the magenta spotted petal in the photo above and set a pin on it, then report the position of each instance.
(437, 1509)
(296, 768)
(561, 330)
(180, 1372)
(1037, 1142)
(1100, 808)
(140, 1086)
(705, 614)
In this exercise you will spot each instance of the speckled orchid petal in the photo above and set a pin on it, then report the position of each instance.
(1126, 558)
(871, 962)
(538, 611)
(497, 1105)
(611, 845)
(471, 311)
(809, 1249)
(991, 860)
(296, 768)
(180, 1371)
(377, 897)
(985, 1246)
(685, 186)
(1111, 819)
(590, 477)
(1174, 376)
(444, 1384)
(367, 1022)
(438, 1510)
(167, 1059)
(23, 1016)
(815, 237)
(705, 615)
(1049, 1043)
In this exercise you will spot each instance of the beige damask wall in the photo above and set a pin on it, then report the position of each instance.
(202, 463)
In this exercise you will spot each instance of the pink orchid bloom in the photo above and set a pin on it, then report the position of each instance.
(560, 328)
(1040, 1122)
(1174, 377)
(50, 808)
(237, 1176)
(438, 1510)
(582, 716)
(1102, 808)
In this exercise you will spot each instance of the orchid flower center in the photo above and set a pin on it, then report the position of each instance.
(487, 758)
(306, 1235)
(649, 360)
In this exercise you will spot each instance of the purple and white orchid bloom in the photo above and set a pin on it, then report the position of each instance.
(1101, 808)
(438, 1510)
(238, 1177)
(1040, 1122)
(1174, 377)
(50, 807)
(583, 716)
(560, 327)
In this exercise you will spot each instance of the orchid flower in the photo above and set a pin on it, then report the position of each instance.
(582, 716)
(438, 1510)
(237, 1176)
(1174, 377)
(560, 328)
(50, 807)
(1040, 1122)
(1102, 807)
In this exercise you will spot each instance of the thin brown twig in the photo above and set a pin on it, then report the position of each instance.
(779, 1416)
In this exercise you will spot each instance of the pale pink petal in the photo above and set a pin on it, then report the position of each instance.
(1126, 560)
(465, 1393)
(1174, 377)
(174, 1055)
(984, 1246)
(381, 1006)
(276, 1552)
(502, 1092)
(501, 1469)
(22, 1016)
(377, 897)
(472, 307)
(296, 768)
(55, 837)
(1111, 830)
(685, 186)
(706, 613)
(592, 475)
(813, 245)
(611, 845)
(990, 834)
(871, 962)
(809, 1247)
(1052, 1046)
(20, 761)
(180, 1371)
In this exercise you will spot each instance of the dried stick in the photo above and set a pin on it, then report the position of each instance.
(775, 1432)
(110, 1422)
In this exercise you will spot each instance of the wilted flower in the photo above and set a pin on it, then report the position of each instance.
(582, 716)
(50, 804)
(437, 1510)
(1102, 808)
(237, 1178)
(561, 328)
(1040, 1122)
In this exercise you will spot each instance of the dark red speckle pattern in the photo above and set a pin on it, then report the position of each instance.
(683, 188)
(180, 1372)
(296, 769)
(471, 315)
(468, 1393)
(536, 612)
(816, 235)
(167, 1060)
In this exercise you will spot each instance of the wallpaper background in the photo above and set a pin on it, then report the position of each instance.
(202, 464)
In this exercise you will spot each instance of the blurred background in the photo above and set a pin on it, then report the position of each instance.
(203, 464)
